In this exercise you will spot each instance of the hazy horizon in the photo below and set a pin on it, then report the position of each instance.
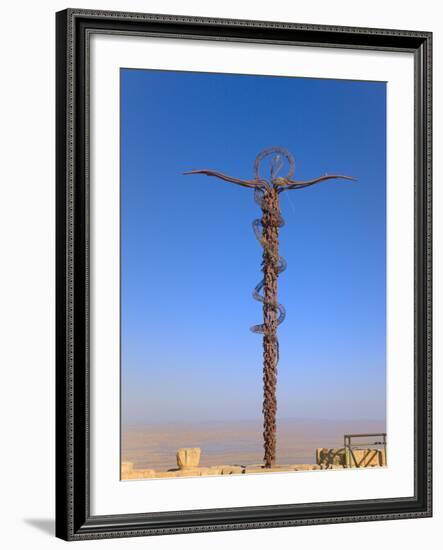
(247, 420)
(155, 445)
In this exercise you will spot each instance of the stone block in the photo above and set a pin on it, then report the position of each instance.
(330, 457)
(127, 467)
(188, 457)
(139, 474)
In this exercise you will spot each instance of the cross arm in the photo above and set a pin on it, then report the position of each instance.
(292, 184)
(244, 183)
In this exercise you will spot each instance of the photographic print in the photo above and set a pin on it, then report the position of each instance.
(252, 274)
(244, 273)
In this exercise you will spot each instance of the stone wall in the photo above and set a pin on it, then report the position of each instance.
(129, 472)
(188, 460)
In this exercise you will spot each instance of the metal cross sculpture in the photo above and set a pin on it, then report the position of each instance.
(266, 193)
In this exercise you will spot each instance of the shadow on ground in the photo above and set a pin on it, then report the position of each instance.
(45, 525)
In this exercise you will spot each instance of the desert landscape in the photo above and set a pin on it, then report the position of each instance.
(236, 447)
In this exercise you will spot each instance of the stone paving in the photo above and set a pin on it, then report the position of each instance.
(188, 460)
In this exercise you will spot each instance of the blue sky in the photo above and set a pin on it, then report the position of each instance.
(190, 260)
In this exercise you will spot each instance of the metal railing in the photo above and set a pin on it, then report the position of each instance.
(378, 440)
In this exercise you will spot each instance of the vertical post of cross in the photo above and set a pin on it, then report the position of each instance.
(270, 223)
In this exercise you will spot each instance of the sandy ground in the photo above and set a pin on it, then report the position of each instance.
(154, 446)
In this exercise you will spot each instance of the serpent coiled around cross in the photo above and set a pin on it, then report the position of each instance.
(266, 230)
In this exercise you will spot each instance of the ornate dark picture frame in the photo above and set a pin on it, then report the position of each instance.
(74, 520)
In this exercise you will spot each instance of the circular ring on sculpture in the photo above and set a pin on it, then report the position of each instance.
(274, 151)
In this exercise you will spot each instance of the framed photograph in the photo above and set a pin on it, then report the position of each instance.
(243, 274)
